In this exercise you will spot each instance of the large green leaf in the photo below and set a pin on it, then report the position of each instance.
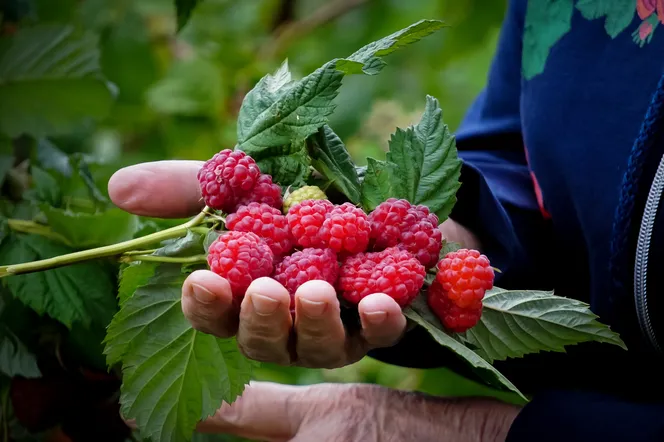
(50, 81)
(546, 22)
(174, 376)
(618, 13)
(82, 293)
(287, 168)
(515, 323)
(421, 315)
(84, 230)
(303, 107)
(330, 157)
(15, 358)
(184, 10)
(422, 166)
(133, 276)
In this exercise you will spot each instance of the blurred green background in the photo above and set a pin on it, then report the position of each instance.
(178, 92)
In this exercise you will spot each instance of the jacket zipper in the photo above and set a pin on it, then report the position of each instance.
(642, 256)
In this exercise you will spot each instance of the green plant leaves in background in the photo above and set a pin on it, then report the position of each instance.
(50, 81)
(184, 8)
(15, 358)
(422, 166)
(174, 376)
(519, 322)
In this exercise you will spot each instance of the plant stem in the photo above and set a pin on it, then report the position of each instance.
(101, 252)
(172, 259)
(23, 226)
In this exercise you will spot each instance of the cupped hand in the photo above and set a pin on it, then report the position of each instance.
(263, 324)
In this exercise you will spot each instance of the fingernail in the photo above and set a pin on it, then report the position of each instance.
(202, 295)
(313, 308)
(375, 318)
(263, 305)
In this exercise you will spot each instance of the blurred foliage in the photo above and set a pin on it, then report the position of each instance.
(117, 82)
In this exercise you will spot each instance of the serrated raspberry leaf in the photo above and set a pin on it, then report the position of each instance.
(173, 375)
(330, 157)
(132, 276)
(379, 183)
(292, 167)
(188, 245)
(15, 358)
(421, 315)
(519, 322)
(448, 247)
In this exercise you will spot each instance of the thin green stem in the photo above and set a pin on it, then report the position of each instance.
(140, 252)
(171, 259)
(23, 226)
(101, 252)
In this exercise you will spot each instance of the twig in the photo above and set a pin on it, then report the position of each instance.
(290, 31)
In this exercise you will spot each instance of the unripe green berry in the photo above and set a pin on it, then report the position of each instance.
(303, 194)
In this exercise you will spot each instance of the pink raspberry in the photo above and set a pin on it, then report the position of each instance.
(393, 272)
(264, 191)
(226, 177)
(307, 265)
(454, 318)
(465, 275)
(424, 240)
(346, 229)
(386, 223)
(266, 222)
(240, 257)
(306, 219)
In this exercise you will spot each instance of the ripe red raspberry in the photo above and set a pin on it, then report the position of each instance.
(393, 272)
(305, 220)
(240, 257)
(266, 222)
(465, 275)
(387, 222)
(307, 265)
(413, 228)
(454, 318)
(264, 191)
(346, 229)
(227, 176)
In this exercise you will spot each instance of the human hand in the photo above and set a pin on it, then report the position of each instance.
(358, 412)
(263, 324)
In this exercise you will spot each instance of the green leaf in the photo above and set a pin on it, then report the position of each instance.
(380, 183)
(191, 88)
(6, 164)
(46, 187)
(15, 358)
(261, 97)
(422, 166)
(81, 293)
(331, 158)
(420, 314)
(190, 244)
(368, 58)
(449, 247)
(184, 9)
(133, 276)
(50, 81)
(618, 13)
(84, 230)
(545, 23)
(173, 375)
(289, 169)
(210, 237)
(50, 157)
(516, 323)
(303, 107)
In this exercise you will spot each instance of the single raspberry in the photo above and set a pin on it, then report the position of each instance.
(346, 229)
(413, 228)
(454, 318)
(465, 275)
(303, 194)
(226, 177)
(424, 240)
(265, 191)
(305, 219)
(240, 257)
(387, 221)
(393, 272)
(266, 222)
(307, 265)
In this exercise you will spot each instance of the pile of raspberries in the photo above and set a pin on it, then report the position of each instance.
(386, 251)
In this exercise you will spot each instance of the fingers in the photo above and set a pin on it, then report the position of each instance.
(265, 411)
(165, 189)
(265, 322)
(207, 303)
(320, 333)
(383, 323)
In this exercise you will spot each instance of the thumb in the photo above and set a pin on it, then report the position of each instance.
(265, 411)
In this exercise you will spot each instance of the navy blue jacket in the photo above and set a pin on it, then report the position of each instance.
(544, 186)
